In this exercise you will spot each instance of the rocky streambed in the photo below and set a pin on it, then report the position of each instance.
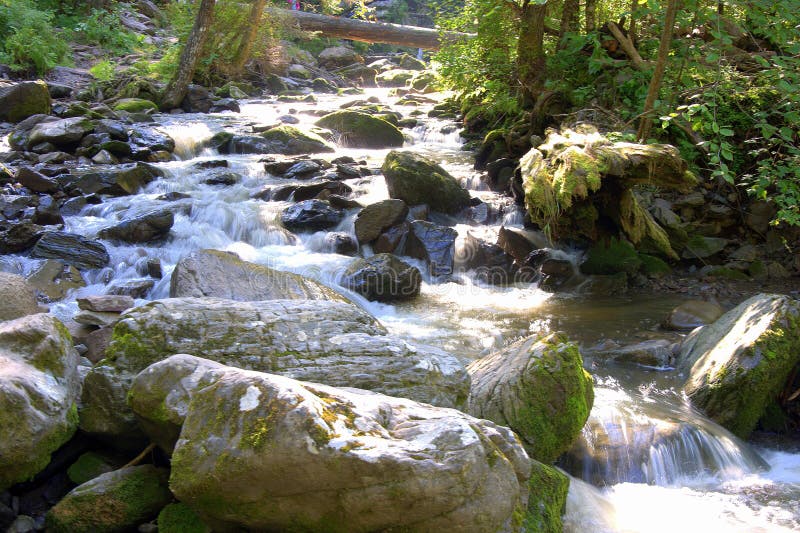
(304, 312)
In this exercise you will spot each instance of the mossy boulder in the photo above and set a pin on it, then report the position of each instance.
(289, 140)
(134, 105)
(611, 257)
(113, 502)
(262, 452)
(324, 341)
(395, 77)
(416, 180)
(738, 365)
(360, 130)
(180, 518)
(39, 388)
(89, 466)
(19, 101)
(575, 179)
(538, 388)
(547, 499)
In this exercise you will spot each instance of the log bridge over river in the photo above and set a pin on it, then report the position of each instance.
(369, 32)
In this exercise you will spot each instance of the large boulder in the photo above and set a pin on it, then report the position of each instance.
(538, 388)
(113, 502)
(338, 56)
(383, 278)
(17, 297)
(576, 179)
(434, 244)
(738, 365)
(67, 131)
(289, 140)
(141, 228)
(692, 314)
(119, 180)
(39, 388)
(72, 249)
(418, 180)
(356, 460)
(224, 275)
(360, 130)
(375, 218)
(330, 342)
(19, 101)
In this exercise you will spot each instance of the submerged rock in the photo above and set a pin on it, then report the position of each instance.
(738, 365)
(693, 314)
(357, 461)
(538, 388)
(224, 275)
(383, 278)
(39, 388)
(331, 342)
(117, 501)
(360, 130)
(418, 180)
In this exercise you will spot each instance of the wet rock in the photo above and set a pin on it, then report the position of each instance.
(39, 387)
(64, 132)
(700, 247)
(142, 228)
(18, 237)
(145, 142)
(659, 353)
(426, 468)
(177, 517)
(331, 342)
(360, 130)
(17, 297)
(54, 279)
(378, 217)
(19, 101)
(519, 243)
(433, 244)
(692, 314)
(95, 318)
(318, 190)
(392, 239)
(610, 257)
(289, 140)
(383, 278)
(120, 180)
(136, 288)
(104, 157)
(418, 180)
(115, 129)
(394, 78)
(225, 104)
(342, 243)
(36, 181)
(71, 248)
(224, 275)
(538, 388)
(302, 170)
(311, 215)
(491, 263)
(197, 99)
(134, 105)
(47, 212)
(738, 365)
(341, 202)
(173, 196)
(115, 501)
(222, 177)
(338, 56)
(18, 138)
(105, 303)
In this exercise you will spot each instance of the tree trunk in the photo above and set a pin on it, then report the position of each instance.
(176, 90)
(249, 37)
(591, 15)
(632, 25)
(530, 49)
(569, 19)
(661, 63)
(369, 32)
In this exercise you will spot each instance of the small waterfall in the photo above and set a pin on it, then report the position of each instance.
(655, 438)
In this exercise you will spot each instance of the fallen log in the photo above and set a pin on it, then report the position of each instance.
(369, 32)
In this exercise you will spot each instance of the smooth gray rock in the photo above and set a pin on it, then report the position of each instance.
(311, 215)
(39, 388)
(142, 228)
(692, 314)
(17, 297)
(357, 461)
(224, 275)
(119, 180)
(19, 101)
(104, 303)
(60, 132)
(330, 342)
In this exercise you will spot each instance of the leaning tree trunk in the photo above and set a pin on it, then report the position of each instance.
(661, 63)
(530, 50)
(176, 90)
(249, 37)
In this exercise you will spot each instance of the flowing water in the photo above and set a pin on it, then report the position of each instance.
(646, 462)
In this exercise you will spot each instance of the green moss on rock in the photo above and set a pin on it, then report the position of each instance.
(611, 257)
(360, 130)
(547, 499)
(418, 180)
(134, 105)
(654, 266)
(89, 466)
(180, 518)
(292, 141)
